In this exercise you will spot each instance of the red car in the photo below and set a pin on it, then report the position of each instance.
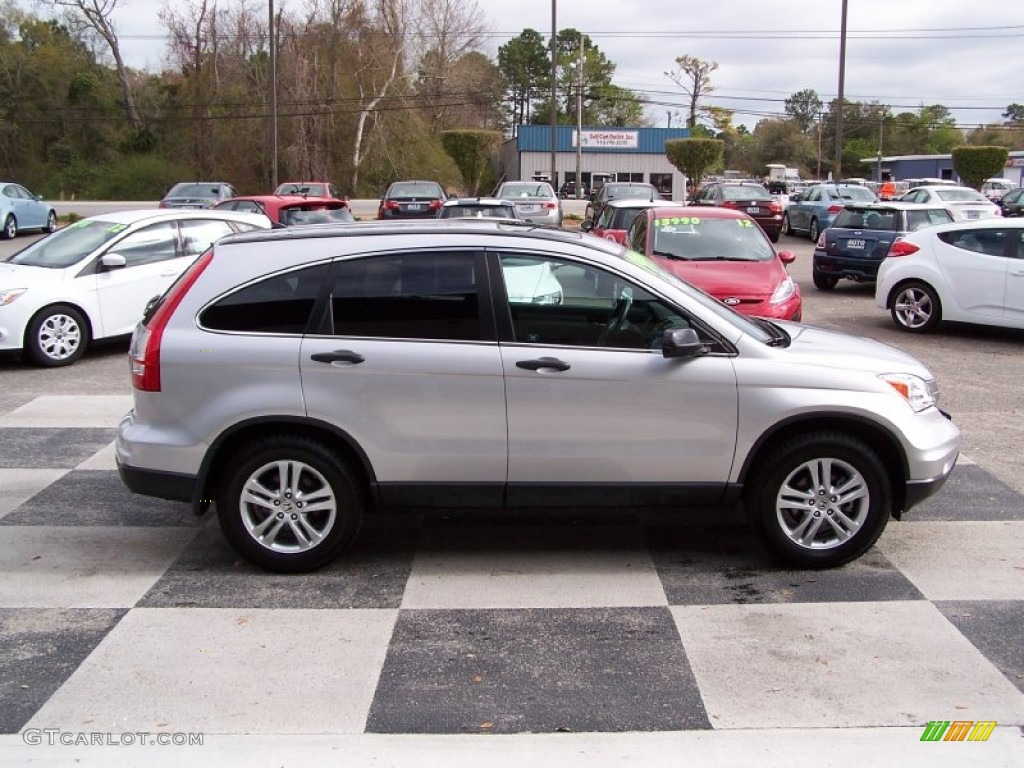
(749, 198)
(617, 216)
(723, 252)
(292, 209)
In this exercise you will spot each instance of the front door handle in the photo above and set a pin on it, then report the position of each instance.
(337, 356)
(543, 362)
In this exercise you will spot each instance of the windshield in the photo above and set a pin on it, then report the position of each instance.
(478, 212)
(629, 193)
(193, 190)
(316, 190)
(862, 194)
(623, 218)
(68, 246)
(726, 314)
(694, 238)
(960, 195)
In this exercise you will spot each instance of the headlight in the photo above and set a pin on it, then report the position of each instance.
(10, 294)
(784, 291)
(918, 393)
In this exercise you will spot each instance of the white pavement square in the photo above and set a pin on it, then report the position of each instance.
(63, 411)
(19, 485)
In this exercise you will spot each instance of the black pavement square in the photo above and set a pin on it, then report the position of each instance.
(372, 573)
(721, 565)
(29, 448)
(98, 497)
(970, 493)
(39, 649)
(996, 628)
(539, 670)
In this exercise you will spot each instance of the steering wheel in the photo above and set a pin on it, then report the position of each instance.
(617, 320)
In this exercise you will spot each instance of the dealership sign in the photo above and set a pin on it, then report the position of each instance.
(608, 139)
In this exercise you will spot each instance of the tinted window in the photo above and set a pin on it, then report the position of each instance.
(991, 242)
(199, 234)
(624, 217)
(411, 296)
(278, 304)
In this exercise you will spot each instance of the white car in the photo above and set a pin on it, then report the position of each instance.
(967, 272)
(994, 189)
(964, 203)
(92, 279)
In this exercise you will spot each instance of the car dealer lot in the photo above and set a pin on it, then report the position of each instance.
(124, 614)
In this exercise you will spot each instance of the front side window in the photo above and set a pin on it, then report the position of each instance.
(991, 242)
(432, 295)
(157, 242)
(277, 304)
(565, 303)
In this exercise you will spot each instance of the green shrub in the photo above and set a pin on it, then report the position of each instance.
(975, 164)
(694, 157)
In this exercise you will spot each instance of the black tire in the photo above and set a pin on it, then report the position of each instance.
(321, 475)
(51, 222)
(56, 336)
(786, 480)
(10, 230)
(915, 307)
(774, 236)
(825, 283)
(787, 227)
(812, 231)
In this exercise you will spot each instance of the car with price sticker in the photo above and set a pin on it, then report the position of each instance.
(618, 215)
(725, 253)
(91, 280)
(860, 237)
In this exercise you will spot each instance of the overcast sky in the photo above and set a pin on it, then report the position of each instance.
(965, 54)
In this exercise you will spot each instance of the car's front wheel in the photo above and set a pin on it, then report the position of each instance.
(289, 504)
(10, 230)
(820, 500)
(56, 336)
(915, 307)
(812, 231)
(51, 221)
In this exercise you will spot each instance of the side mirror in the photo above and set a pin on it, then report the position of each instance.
(587, 225)
(787, 257)
(681, 342)
(113, 260)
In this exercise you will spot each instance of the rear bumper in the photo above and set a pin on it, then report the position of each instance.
(162, 485)
(842, 266)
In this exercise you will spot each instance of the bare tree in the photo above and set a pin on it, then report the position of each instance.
(693, 75)
(96, 15)
(448, 30)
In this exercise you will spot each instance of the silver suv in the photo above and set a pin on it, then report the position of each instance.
(298, 379)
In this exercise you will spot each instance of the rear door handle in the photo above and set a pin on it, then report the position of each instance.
(337, 356)
(543, 362)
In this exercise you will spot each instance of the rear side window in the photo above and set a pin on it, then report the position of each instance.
(408, 296)
(279, 304)
(199, 234)
(991, 242)
(920, 219)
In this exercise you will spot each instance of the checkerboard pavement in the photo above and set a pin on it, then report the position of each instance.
(638, 632)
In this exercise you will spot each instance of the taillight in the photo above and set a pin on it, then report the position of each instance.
(730, 204)
(391, 205)
(435, 205)
(144, 356)
(821, 241)
(551, 206)
(902, 248)
(775, 207)
(835, 208)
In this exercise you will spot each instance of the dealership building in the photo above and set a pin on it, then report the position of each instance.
(604, 154)
(900, 167)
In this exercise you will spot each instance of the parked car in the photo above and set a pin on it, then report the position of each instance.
(813, 210)
(969, 272)
(964, 203)
(20, 210)
(311, 188)
(752, 199)
(994, 189)
(535, 201)
(859, 238)
(197, 194)
(568, 191)
(723, 252)
(618, 216)
(1012, 203)
(91, 280)
(411, 200)
(305, 382)
(478, 207)
(289, 210)
(619, 190)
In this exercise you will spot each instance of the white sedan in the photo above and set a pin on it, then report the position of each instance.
(966, 272)
(92, 279)
(964, 203)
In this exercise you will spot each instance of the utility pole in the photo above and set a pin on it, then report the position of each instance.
(554, 90)
(821, 118)
(881, 125)
(837, 173)
(273, 98)
(579, 122)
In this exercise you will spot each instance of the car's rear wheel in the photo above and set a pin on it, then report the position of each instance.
(787, 226)
(10, 230)
(289, 504)
(824, 282)
(916, 307)
(56, 336)
(774, 236)
(820, 500)
(812, 231)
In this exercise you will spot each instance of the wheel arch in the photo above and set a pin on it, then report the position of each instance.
(883, 441)
(902, 283)
(223, 447)
(61, 303)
